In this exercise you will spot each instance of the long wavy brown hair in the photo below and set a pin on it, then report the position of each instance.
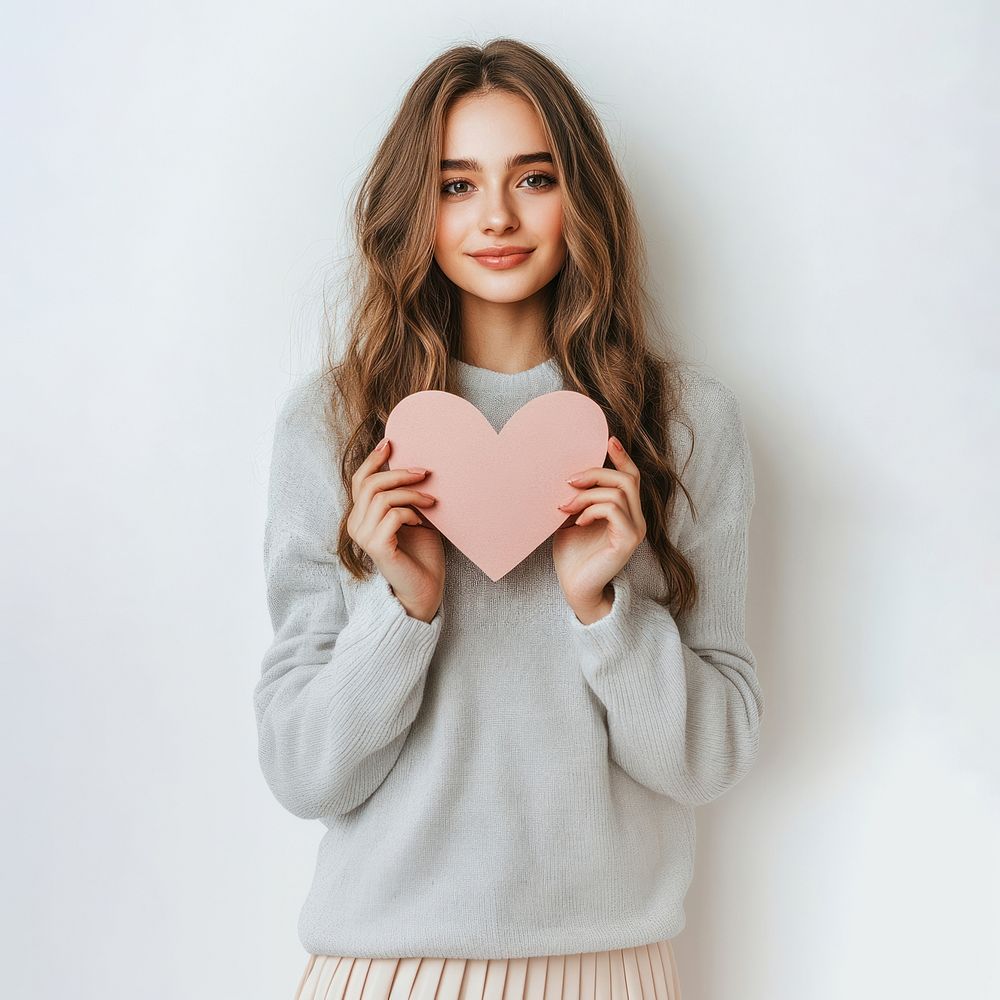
(404, 323)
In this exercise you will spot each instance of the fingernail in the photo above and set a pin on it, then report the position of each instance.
(420, 471)
(616, 444)
(381, 444)
(574, 480)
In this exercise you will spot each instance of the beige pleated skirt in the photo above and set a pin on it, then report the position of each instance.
(647, 972)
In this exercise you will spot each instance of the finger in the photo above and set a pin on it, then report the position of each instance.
(376, 482)
(624, 464)
(605, 495)
(384, 500)
(376, 458)
(624, 480)
(625, 470)
(384, 535)
(621, 457)
(610, 512)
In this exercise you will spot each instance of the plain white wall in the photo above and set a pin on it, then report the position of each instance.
(816, 190)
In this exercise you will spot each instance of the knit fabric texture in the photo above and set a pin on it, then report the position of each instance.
(504, 781)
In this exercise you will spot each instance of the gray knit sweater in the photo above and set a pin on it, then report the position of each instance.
(504, 781)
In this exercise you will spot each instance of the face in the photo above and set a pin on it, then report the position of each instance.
(487, 203)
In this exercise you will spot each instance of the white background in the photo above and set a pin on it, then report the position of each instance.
(817, 184)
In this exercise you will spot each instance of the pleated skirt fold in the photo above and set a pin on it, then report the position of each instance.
(647, 972)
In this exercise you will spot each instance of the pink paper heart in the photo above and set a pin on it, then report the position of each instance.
(497, 494)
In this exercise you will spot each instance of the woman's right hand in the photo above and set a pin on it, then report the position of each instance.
(408, 552)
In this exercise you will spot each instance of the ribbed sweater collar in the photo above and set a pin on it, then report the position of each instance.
(544, 377)
(499, 395)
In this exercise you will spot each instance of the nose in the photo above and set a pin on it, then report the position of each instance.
(498, 215)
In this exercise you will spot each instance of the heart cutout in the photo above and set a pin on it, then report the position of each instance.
(497, 494)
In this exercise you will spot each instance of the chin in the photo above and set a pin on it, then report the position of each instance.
(488, 295)
(514, 291)
(503, 285)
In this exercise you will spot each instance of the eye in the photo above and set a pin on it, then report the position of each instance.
(548, 182)
(548, 178)
(445, 191)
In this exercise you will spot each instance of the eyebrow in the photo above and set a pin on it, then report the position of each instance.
(520, 160)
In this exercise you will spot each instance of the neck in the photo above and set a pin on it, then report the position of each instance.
(504, 336)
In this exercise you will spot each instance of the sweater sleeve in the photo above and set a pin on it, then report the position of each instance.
(682, 697)
(338, 692)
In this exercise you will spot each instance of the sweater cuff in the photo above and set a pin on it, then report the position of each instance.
(383, 651)
(376, 603)
(619, 636)
(381, 655)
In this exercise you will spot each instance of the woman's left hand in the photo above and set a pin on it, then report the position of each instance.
(609, 528)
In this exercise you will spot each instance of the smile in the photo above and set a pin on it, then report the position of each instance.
(504, 262)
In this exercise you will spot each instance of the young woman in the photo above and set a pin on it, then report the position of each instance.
(507, 771)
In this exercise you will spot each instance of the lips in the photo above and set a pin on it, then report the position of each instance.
(500, 251)
(504, 263)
